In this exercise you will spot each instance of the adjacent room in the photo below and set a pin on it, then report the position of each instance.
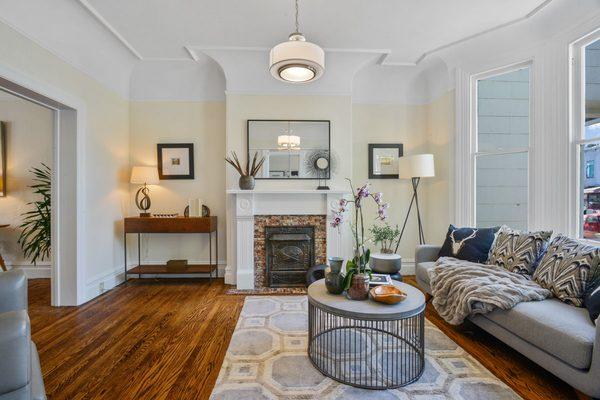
(300, 199)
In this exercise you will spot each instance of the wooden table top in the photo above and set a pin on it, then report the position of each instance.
(170, 225)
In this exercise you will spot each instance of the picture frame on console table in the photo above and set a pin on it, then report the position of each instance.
(175, 160)
(383, 160)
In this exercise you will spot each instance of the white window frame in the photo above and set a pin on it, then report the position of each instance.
(467, 141)
(577, 130)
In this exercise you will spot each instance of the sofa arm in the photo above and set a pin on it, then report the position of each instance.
(13, 291)
(426, 253)
(15, 351)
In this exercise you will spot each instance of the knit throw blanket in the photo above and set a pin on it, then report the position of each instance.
(462, 288)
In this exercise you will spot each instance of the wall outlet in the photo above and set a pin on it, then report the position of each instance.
(101, 287)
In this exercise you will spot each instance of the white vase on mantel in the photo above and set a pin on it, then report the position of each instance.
(386, 263)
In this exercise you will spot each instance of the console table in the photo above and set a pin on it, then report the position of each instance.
(139, 225)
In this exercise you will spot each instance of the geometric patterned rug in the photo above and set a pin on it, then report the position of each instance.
(267, 359)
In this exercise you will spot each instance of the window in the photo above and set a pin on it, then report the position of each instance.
(589, 169)
(587, 137)
(501, 147)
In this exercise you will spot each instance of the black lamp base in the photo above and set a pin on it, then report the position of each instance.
(322, 187)
(145, 214)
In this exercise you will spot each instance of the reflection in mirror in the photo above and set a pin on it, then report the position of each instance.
(288, 147)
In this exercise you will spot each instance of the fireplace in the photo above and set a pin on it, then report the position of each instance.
(290, 252)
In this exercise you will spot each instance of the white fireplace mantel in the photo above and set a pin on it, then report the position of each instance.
(243, 205)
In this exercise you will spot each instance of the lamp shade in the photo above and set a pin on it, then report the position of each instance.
(416, 166)
(144, 175)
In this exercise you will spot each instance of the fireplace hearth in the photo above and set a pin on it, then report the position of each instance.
(290, 252)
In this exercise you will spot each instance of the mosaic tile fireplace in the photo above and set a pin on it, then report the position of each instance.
(285, 246)
(249, 212)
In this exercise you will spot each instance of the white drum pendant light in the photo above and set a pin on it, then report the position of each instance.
(297, 61)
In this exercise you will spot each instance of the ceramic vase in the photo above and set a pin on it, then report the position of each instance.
(247, 182)
(359, 287)
(334, 280)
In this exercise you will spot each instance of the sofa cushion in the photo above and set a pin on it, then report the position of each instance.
(517, 251)
(559, 329)
(422, 274)
(565, 269)
(470, 244)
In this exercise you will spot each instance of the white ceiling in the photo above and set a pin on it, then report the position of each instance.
(407, 28)
(196, 49)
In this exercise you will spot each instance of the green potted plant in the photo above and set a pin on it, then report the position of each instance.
(386, 262)
(358, 272)
(35, 234)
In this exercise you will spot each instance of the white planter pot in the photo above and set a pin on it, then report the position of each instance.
(385, 263)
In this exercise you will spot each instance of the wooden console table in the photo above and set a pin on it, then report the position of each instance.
(141, 225)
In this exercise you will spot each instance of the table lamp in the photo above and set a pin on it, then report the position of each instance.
(414, 168)
(144, 176)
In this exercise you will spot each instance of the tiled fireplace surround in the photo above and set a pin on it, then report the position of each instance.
(249, 212)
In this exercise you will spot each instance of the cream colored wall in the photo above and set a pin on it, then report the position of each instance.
(200, 123)
(30, 130)
(440, 137)
(389, 123)
(106, 150)
(337, 109)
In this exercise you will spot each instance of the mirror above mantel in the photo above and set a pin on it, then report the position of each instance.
(291, 148)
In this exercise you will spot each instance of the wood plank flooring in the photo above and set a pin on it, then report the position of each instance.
(167, 339)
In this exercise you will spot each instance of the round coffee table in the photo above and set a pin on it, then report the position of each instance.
(364, 343)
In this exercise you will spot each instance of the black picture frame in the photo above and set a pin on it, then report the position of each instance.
(373, 146)
(159, 149)
(291, 120)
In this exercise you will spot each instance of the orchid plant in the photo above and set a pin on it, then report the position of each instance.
(360, 263)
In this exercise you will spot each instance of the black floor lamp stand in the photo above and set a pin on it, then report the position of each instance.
(415, 200)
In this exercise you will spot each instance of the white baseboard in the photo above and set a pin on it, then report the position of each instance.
(102, 283)
(408, 267)
(34, 271)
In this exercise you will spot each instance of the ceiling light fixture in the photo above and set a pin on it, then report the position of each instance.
(297, 61)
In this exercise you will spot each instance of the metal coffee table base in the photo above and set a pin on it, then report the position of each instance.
(370, 354)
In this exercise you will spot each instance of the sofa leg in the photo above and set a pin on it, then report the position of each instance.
(428, 297)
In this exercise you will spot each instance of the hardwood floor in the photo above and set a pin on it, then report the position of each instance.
(166, 340)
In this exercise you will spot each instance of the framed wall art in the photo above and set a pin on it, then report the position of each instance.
(175, 160)
(383, 160)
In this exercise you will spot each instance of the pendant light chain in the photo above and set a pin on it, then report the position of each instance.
(297, 23)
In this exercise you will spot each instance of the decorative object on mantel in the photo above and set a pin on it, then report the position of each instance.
(356, 282)
(387, 294)
(144, 176)
(246, 175)
(165, 215)
(383, 160)
(35, 237)
(297, 61)
(175, 160)
(334, 279)
(414, 168)
(321, 163)
(3, 159)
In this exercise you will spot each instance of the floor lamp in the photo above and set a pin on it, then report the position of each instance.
(414, 168)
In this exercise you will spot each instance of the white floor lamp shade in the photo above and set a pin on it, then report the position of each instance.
(416, 166)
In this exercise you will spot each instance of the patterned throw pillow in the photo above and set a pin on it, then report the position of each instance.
(565, 267)
(518, 251)
(470, 244)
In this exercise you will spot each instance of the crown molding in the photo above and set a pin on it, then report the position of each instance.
(385, 53)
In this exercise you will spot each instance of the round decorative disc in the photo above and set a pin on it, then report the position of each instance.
(322, 163)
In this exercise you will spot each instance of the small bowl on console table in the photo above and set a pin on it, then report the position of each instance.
(388, 294)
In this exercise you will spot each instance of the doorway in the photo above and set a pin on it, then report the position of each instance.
(66, 279)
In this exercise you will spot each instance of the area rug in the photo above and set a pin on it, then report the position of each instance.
(267, 359)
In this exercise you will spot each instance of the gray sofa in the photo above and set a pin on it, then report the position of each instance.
(559, 337)
(21, 375)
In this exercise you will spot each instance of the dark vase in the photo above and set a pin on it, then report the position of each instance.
(246, 182)
(334, 280)
(359, 287)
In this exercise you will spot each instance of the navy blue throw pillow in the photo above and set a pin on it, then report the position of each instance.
(470, 244)
(592, 303)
